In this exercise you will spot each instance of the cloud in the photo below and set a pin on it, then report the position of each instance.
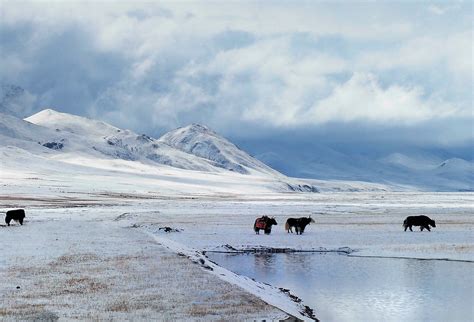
(452, 53)
(436, 10)
(15, 100)
(362, 98)
(244, 67)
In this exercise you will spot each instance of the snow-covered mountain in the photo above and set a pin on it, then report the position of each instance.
(194, 149)
(411, 162)
(430, 170)
(200, 141)
(88, 136)
(77, 142)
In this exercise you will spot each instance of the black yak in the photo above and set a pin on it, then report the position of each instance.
(299, 224)
(422, 221)
(17, 215)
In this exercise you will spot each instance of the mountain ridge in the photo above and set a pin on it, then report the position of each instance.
(201, 141)
(197, 147)
(74, 139)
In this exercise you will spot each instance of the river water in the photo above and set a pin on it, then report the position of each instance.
(344, 288)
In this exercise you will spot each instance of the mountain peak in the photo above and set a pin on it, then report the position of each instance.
(199, 140)
(71, 123)
(199, 128)
(47, 112)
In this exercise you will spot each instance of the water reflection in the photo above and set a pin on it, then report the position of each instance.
(342, 288)
(264, 263)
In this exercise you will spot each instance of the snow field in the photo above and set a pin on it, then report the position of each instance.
(82, 269)
(367, 223)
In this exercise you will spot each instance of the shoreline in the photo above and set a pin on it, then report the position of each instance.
(347, 251)
(272, 295)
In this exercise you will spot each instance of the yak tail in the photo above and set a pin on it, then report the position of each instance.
(404, 223)
(287, 226)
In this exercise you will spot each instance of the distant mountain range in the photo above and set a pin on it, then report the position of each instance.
(75, 140)
(69, 138)
(416, 168)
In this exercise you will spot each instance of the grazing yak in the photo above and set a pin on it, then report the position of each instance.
(422, 221)
(16, 215)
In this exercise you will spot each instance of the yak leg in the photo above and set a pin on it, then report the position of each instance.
(421, 228)
(428, 227)
(410, 228)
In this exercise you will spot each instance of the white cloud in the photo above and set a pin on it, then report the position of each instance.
(362, 99)
(437, 10)
(422, 53)
(303, 64)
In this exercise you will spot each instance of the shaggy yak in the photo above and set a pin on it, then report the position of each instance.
(16, 215)
(299, 224)
(422, 221)
(264, 223)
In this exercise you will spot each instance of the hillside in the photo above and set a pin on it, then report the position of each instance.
(70, 147)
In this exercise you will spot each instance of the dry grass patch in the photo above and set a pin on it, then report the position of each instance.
(74, 259)
(82, 285)
(123, 275)
(119, 306)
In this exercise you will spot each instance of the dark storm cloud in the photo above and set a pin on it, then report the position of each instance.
(65, 71)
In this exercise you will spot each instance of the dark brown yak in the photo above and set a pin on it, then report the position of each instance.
(264, 223)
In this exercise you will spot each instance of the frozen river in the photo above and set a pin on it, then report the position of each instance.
(343, 288)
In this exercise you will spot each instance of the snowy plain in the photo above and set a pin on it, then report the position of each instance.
(97, 194)
(365, 224)
(92, 270)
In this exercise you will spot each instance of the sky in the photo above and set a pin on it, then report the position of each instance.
(350, 74)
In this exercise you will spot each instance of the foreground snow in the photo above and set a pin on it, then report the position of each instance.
(215, 212)
(364, 224)
(93, 270)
